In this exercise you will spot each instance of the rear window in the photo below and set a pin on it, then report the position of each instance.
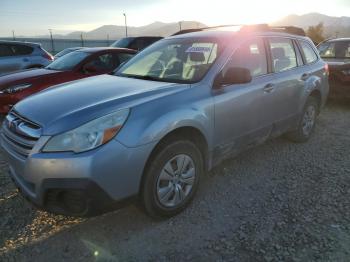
(336, 49)
(21, 50)
(309, 53)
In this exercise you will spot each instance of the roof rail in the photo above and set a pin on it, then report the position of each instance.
(250, 28)
(191, 30)
(289, 29)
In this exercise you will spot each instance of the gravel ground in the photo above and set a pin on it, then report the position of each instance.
(277, 202)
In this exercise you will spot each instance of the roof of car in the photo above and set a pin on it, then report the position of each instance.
(231, 30)
(228, 33)
(99, 49)
(18, 42)
(338, 39)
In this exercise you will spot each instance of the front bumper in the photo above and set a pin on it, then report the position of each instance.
(110, 173)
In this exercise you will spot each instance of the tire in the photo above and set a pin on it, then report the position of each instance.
(307, 122)
(166, 182)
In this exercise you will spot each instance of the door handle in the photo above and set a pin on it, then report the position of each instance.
(305, 76)
(269, 88)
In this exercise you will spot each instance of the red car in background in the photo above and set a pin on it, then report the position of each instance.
(79, 64)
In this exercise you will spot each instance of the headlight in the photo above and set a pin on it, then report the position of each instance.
(90, 135)
(346, 72)
(15, 88)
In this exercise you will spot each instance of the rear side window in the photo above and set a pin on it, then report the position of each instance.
(5, 50)
(252, 56)
(19, 50)
(282, 54)
(309, 53)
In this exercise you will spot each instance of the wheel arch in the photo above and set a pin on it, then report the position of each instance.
(190, 133)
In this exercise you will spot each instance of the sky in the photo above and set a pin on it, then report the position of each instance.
(35, 17)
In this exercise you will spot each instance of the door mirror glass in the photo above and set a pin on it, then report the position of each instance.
(233, 75)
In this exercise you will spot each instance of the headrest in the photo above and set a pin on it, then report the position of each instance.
(278, 52)
(197, 57)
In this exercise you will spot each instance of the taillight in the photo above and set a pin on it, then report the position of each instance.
(47, 55)
(326, 69)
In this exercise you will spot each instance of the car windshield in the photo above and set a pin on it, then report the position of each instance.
(64, 52)
(173, 60)
(123, 43)
(68, 61)
(336, 49)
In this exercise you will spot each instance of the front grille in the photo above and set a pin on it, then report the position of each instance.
(19, 134)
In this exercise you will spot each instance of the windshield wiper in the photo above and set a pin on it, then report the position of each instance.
(145, 77)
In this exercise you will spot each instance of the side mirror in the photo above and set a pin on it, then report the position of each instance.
(233, 75)
(90, 68)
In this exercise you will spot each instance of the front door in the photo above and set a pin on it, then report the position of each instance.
(242, 110)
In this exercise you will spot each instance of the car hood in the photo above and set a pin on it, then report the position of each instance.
(70, 105)
(25, 76)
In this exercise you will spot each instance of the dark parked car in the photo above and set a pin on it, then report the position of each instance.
(75, 65)
(136, 43)
(67, 51)
(16, 55)
(336, 52)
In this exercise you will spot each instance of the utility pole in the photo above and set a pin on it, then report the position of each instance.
(126, 26)
(13, 35)
(52, 45)
(180, 25)
(82, 39)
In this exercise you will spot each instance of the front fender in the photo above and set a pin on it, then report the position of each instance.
(143, 131)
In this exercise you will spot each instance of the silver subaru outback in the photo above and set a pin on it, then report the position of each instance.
(171, 113)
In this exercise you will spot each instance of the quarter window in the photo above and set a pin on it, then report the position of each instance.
(252, 56)
(309, 53)
(283, 54)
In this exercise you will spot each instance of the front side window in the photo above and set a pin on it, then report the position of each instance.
(103, 62)
(252, 56)
(68, 61)
(282, 54)
(175, 60)
(337, 49)
(308, 51)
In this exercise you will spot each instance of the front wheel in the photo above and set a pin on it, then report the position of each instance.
(306, 123)
(171, 179)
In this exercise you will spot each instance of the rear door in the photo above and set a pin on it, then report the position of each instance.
(8, 61)
(287, 82)
(21, 56)
(242, 112)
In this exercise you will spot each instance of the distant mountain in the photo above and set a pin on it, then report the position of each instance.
(117, 31)
(333, 25)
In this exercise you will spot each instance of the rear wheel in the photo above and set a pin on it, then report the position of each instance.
(306, 123)
(171, 178)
